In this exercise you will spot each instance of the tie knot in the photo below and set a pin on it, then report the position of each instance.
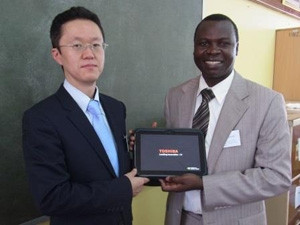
(93, 108)
(207, 94)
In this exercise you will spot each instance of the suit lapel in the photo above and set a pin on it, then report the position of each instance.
(232, 111)
(187, 103)
(78, 118)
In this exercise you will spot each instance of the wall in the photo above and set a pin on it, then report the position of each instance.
(257, 25)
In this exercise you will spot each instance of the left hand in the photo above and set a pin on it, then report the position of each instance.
(131, 141)
(184, 182)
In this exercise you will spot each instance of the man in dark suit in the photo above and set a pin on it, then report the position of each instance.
(71, 173)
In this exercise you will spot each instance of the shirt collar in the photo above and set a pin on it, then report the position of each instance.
(220, 90)
(80, 98)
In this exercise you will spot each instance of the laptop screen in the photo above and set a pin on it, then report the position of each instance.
(164, 152)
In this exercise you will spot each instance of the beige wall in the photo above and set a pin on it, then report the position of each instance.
(257, 25)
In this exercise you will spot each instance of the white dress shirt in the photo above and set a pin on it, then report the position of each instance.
(83, 100)
(192, 199)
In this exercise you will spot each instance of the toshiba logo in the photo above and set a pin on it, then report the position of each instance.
(169, 152)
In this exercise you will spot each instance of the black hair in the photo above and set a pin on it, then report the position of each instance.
(71, 14)
(219, 17)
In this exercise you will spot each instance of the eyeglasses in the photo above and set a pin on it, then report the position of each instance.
(82, 47)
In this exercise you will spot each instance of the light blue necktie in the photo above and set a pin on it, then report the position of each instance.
(104, 133)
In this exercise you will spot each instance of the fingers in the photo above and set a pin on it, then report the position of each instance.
(162, 184)
(131, 140)
(145, 180)
(154, 124)
(137, 183)
(131, 144)
(168, 186)
(132, 173)
(184, 182)
(170, 179)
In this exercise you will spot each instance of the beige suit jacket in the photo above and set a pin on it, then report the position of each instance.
(240, 177)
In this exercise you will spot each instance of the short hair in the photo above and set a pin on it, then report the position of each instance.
(219, 17)
(71, 14)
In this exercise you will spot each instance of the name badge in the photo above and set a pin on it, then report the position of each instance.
(233, 140)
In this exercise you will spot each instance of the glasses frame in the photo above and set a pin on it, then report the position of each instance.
(83, 47)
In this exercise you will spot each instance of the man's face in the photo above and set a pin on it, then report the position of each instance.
(81, 68)
(215, 49)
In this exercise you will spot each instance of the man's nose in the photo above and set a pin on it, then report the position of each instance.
(213, 49)
(88, 51)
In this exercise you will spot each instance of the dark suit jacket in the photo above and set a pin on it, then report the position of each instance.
(69, 172)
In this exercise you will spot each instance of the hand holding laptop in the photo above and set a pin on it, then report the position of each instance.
(131, 141)
(181, 183)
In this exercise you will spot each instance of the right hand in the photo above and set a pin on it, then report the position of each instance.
(131, 141)
(185, 182)
(137, 183)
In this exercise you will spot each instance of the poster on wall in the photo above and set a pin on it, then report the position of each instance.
(295, 4)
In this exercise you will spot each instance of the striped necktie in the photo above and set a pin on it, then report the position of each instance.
(201, 118)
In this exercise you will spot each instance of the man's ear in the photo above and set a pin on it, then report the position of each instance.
(56, 55)
(237, 49)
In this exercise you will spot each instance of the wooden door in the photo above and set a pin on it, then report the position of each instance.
(287, 64)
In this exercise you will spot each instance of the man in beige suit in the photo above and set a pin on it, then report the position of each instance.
(247, 140)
